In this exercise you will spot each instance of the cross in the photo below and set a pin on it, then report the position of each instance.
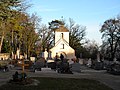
(23, 65)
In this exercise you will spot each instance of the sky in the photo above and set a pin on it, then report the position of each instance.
(89, 13)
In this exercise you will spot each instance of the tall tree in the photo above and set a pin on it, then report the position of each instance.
(28, 35)
(6, 6)
(46, 37)
(77, 34)
(111, 35)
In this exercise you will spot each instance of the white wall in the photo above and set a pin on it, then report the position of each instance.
(65, 36)
(69, 52)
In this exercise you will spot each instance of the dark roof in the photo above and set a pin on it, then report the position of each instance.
(62, 29)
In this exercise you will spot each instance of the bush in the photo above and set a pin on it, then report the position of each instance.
(114, 69)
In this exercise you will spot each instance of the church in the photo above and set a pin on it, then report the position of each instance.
(62, 44)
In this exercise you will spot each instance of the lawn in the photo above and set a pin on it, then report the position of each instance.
(59, 84)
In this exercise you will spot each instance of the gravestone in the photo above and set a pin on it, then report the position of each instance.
(98, 57)
(32, 59)
(45, 55)
(75, 67)
(81, 61)
(89, 62)
(70, 62)
(39, 64)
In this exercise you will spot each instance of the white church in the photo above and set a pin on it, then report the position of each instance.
(62, 44)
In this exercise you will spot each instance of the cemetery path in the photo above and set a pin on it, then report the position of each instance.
(112, 81)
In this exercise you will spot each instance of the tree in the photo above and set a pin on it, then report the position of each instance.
(5, 47)
(111, 35)
(76, 35)
(17, 28)
(55, 24)
(92, 48)
(46, 37)
(6, 7)
(28, 35)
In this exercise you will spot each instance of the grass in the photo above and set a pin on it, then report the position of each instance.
(59, 84)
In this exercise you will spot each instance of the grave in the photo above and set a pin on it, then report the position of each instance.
(75, 67)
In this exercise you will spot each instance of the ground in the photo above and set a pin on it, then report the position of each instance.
(112, 81)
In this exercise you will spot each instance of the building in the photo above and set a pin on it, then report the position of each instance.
(4, 56)
(62, 44)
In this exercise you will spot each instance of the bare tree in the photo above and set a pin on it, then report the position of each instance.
(77, 34)
(46, 37)
(111, 35)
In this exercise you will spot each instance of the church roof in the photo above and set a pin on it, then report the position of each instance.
(62, 29)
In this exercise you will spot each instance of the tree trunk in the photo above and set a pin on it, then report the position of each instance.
(2, 37)
(1, 41)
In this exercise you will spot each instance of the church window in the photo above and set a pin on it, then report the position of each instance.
(61, 35)
(62, 46)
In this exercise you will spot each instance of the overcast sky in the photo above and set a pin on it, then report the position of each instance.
(89, 13)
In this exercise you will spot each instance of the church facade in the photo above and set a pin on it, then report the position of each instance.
(62, 44)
